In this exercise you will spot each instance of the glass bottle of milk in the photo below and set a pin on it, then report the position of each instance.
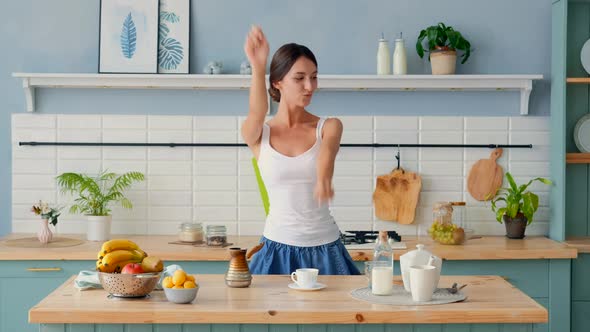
(383, 64)
(400, 65)
(382, 273)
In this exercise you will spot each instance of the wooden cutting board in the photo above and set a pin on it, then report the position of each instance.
(396, 196)
(485, 177)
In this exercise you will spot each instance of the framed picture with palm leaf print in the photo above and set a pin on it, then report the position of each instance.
(128, 36)
(173, 33)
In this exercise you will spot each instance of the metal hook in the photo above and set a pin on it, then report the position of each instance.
(397, 156)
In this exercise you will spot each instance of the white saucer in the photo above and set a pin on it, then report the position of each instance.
(317, 286)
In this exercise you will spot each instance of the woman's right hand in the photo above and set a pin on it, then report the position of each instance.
(256, 48)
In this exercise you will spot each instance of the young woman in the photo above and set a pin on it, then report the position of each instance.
(295, 152)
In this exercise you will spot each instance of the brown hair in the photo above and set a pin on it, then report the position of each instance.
(281, 63)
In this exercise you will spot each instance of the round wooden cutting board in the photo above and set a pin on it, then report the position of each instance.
(485, 177)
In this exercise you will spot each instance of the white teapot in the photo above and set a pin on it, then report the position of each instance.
(418, 256)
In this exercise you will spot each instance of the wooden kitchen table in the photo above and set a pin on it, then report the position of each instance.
(268, 301)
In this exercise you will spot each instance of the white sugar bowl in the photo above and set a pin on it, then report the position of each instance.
(418, 256)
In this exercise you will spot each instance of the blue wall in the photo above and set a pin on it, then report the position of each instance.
(509, 37)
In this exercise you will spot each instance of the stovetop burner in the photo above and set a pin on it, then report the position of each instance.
(360, 237)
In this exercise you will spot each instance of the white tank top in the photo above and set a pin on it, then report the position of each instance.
(295, 217)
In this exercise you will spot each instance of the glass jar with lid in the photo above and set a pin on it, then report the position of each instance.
(442, 229)
(216, 235)
(460, 219)
(191, 232)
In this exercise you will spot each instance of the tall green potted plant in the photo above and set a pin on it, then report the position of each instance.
(94, 195)
(520, 206)
(442, 44)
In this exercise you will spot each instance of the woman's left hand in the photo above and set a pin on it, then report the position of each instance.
(323, 191)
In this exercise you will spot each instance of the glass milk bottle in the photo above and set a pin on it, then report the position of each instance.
(382, 272)
(383, 64)
(400, 64)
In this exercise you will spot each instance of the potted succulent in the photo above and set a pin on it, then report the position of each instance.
(520, 206)
(442, 43)
(94, 196)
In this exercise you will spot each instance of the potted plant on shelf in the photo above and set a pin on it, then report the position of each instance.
(94, 196)
(443, 43)
(521, 205)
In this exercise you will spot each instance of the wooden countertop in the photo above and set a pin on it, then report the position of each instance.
(490, 299)
(484, 248)
(582, 244)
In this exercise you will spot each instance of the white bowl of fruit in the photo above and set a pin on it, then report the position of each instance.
(180, 287)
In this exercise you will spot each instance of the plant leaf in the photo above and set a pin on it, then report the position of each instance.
(163, 31)
(128, 37)
(499, 214)
(170, 54)
(419, 48)
(511, 182)
(169, 17)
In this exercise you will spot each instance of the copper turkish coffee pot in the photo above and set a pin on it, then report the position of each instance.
(238, 275)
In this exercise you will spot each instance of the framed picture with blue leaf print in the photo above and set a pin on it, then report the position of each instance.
(128, 36)
(174, 33)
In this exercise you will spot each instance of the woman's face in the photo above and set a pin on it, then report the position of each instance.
(298, 86)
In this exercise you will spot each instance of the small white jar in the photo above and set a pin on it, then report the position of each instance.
(191, 232)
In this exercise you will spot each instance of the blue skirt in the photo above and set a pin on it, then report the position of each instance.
(278, 258)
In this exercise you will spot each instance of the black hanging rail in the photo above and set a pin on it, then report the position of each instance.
(367, 145)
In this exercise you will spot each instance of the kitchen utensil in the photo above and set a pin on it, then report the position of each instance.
(585, 56)
(582, 132)
(181, 295)
(305, 278)
(422, 279)
(128, 285)
(238, 274)
(419, 256)
(485, 177)
(396, 196)
(454, 289)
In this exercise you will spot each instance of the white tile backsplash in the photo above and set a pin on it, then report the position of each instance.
(216, 185)
(79, 121)
(486, 123)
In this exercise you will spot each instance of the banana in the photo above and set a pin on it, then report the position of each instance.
(116, 267)
(116, 256)
(117, 244)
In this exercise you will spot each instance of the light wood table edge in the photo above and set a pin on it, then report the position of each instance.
(408, 315)
(581, 244)
(484, 248)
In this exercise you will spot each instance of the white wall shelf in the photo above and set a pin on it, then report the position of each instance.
(521, 83)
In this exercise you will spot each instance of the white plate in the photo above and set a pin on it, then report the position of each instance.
(582, 133)
(585, 56)
(317, 286)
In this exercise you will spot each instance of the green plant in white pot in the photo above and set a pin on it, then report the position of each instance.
(520, 206)
(95, 194)
(442, 42)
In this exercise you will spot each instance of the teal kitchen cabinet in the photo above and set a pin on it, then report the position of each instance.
(24, 283)
(569, 102)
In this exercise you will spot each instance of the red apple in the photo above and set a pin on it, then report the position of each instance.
(132, 268)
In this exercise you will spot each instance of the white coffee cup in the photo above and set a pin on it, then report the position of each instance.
(422, 284)
(305, 278)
